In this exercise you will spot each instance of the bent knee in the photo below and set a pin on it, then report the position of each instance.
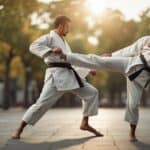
(94, 91)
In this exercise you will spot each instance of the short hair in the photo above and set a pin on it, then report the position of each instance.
(61, 20)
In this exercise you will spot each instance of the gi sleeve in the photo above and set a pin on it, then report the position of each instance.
(41, 46)
(132, 50)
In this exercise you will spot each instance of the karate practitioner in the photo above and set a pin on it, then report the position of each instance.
(60, 78)
(133, 62)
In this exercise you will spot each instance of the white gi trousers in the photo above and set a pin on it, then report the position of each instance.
(121, 65)
(49, 96)
(135, 90)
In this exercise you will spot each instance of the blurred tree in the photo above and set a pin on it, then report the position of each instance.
(21, 22)
(115, 34)
(12, 17)
(144, 24)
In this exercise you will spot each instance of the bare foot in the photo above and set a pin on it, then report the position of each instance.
(91, 129)
(133, 138)
(16, 135)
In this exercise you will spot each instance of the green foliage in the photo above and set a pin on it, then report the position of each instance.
(17, 32)
(144, 24)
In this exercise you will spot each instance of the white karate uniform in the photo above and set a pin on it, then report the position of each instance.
(125, 61)
(135, 88)
(59, 80)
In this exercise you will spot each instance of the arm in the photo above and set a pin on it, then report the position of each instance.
(134, 49)
(41, 46)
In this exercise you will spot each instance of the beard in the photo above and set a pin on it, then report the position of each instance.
(64, 34)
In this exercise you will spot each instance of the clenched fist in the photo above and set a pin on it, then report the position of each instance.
(57, 50)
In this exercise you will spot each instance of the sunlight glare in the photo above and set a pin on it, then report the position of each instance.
(93, 40)
(96, 6)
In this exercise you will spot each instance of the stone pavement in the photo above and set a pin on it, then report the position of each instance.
(59, 130)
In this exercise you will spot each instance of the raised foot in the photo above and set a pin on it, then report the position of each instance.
(133, 139)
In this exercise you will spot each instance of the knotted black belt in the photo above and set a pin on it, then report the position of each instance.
(68, 66)
(137, 73)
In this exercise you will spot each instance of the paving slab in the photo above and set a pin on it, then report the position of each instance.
(59, 130)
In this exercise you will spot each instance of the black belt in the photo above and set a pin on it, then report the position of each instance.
(68, 66)
(137, 73)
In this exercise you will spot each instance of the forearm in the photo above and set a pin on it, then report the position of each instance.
(129, 51)
(132, 50)
(41, 46)
(39, 50)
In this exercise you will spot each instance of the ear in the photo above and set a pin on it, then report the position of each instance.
(61, 27)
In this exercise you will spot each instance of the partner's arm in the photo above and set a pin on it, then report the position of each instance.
(134, 49)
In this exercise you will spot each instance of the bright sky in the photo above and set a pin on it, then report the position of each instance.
(130, 8)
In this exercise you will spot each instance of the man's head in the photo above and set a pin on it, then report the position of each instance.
(62, 25)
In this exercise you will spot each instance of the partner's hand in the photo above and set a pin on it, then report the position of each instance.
(107, 55)
(92, 72)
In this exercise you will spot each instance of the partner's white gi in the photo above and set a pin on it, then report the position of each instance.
(59, 80)
(125, 61)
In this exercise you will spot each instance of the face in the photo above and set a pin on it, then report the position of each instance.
(64, 29)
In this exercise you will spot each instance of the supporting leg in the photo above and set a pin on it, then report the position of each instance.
(48, 97)
(85, 126)
(132, 133)
(20, 129)
(90, 97)
(134, 93)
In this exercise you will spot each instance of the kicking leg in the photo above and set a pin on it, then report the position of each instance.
(91, 61)
(19, 130)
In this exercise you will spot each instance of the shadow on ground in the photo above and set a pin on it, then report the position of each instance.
(141, 145)
(55, 145)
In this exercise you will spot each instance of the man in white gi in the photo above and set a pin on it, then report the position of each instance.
(60, 78)
(132, 61)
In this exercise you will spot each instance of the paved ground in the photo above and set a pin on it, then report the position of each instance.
(59, 130)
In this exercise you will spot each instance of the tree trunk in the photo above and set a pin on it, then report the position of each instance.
(6, 92)
(27, 82)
